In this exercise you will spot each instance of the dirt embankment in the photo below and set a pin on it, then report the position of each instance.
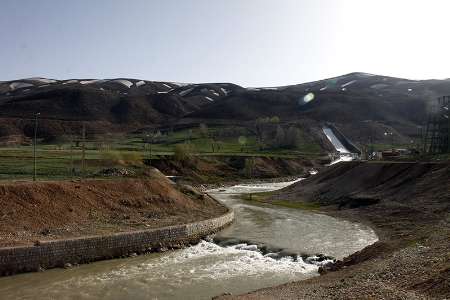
(51, 210)
(408, 205)
(214, 169)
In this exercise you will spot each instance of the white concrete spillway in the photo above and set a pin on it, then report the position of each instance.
(335, 141)
(344, 153)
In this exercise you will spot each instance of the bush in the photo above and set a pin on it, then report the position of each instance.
(184, 152)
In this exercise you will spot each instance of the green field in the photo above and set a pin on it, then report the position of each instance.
(63, 159)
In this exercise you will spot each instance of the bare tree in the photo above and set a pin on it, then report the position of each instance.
(293, 137)
(280, 137)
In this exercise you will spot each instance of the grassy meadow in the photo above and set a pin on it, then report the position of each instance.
(63, 159)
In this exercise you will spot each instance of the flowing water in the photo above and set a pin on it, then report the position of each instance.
(262, 248)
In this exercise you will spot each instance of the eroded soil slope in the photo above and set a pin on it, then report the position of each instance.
(48, 210)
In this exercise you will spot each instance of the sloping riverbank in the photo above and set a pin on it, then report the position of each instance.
(407, 204)
(217, 169)
(68, 209)
(50, 224)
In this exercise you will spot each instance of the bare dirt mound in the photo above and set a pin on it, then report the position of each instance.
(49, 210)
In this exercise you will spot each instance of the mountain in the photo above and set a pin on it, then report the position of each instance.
(360, 104)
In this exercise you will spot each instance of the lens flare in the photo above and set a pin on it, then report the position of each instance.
(308, 97)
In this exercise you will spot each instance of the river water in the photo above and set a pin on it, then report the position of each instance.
(262, 248)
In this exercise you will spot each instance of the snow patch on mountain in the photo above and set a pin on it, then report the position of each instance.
(19, 85)
(91, 81)
(186, 92)
(215, 93)
(43, 80)
(140, 83)
(124, 82)
(379, 86)
(71, 81)
(348, 83)
(180, 84)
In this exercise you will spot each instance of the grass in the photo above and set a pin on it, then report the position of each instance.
(59, 160)
(263, 197)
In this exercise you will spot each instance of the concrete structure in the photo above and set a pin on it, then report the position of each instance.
(58, 253)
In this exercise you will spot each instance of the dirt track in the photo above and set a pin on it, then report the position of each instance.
(51, 210)
(409, 207)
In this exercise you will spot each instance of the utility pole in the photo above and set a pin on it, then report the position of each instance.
(83, 151)
(34, 145)
(71, 157)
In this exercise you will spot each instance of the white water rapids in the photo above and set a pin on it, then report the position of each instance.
(208, 269)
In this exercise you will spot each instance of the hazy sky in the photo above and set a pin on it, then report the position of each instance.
(248, 42)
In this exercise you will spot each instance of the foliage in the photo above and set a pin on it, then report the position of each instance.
(184, 152)
(280, 138)
(123, 157)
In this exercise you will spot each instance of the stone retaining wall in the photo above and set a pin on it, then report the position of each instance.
(57, 253)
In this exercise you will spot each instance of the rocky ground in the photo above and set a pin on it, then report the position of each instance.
(408, 205)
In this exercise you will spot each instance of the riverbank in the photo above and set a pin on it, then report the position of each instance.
(51, 224)
(49, 210)
(216, 170)
(407, 204)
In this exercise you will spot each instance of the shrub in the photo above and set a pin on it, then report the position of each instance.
(184, 152)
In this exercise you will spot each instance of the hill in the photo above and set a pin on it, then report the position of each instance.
(363, 106)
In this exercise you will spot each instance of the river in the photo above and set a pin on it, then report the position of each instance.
(258, 250)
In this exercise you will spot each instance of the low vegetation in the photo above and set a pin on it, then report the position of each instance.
(74, 157)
